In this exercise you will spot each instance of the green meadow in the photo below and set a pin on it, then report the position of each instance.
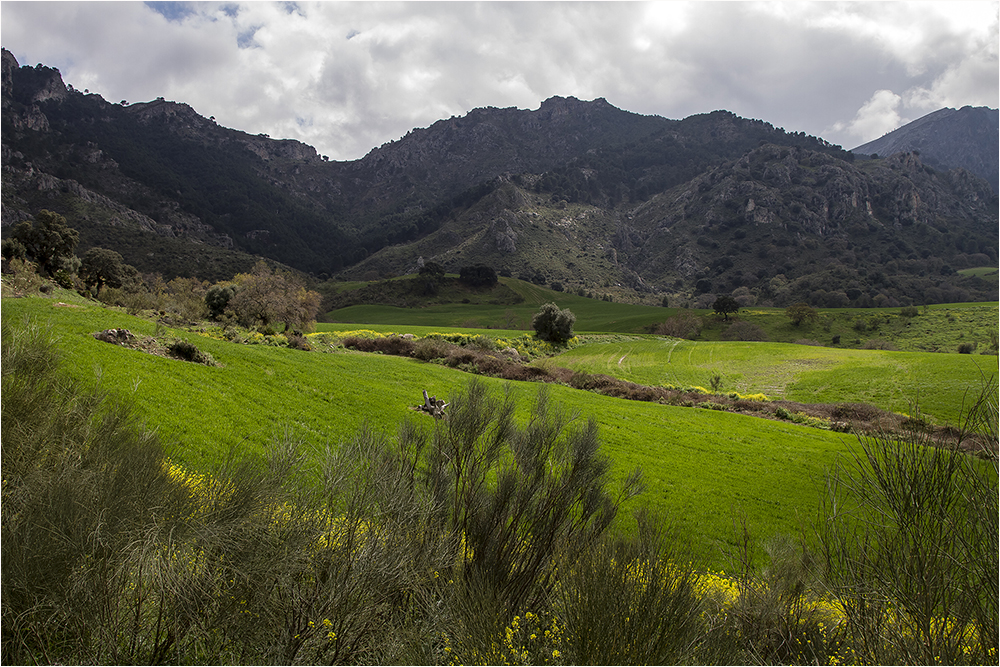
(925, 328)
(934, 384)
(701, 467)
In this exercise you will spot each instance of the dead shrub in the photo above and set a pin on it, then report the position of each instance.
(681, 325)
(427, 349)
(879, 344)
(744, 331)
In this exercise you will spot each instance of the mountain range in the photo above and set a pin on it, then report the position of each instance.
(577, 193)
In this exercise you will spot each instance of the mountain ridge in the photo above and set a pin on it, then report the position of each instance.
(947, 139)
(576, 191)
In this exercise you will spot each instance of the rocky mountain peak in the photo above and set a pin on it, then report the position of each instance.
(947, 139)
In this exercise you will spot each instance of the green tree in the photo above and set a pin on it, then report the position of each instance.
(217, 298)
(47, 241)
(101, 267)
(800, 312)
(12, 249)
(263, 297)
(552, 324)
(724, 305)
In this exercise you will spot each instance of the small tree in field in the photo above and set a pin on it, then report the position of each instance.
(552, 324)
(799, 313)
(263, 297)
(724, 305)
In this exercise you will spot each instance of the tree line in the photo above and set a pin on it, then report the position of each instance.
(263, 297)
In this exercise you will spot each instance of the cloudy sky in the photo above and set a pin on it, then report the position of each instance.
(348, 76)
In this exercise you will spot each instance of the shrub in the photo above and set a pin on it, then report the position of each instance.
(297, 341)
(681, 325)
(631, 602)
(745, 331)
(217, 299)
(395, 345)
(879, 344)
(187, 351)
(427, 349)
(799, 313)
(552, 324)
(966, 348)
(914, 559)
(22, 277)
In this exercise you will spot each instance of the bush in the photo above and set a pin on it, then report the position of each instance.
(22, 277)
(217, 298)
(395, 345)
(552, 324)
(745, 331)
(681, 325)
(427, 349)
(799, 313)
(966, 348)
(187, 351)
(879, 344)
(915, 558)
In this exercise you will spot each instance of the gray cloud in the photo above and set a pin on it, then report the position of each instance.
(346, 77)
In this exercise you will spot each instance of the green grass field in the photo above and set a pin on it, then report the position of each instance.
(896, 381)
(701, 466)
(591, 314)
(933, 328)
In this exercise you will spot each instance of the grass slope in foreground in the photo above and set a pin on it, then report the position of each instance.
(700, 466)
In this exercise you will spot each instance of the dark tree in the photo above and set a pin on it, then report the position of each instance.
(725, 305)
(217, 298)
(101, 267)
(48, 241)
(478, 275)
(432, 270)
(552, 324)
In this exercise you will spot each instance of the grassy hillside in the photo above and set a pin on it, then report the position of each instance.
(700, 465)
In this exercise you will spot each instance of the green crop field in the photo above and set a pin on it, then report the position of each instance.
(896, 381)
(701, 466)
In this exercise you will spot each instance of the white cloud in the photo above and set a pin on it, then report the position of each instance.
(878, 116)
(348, 76)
